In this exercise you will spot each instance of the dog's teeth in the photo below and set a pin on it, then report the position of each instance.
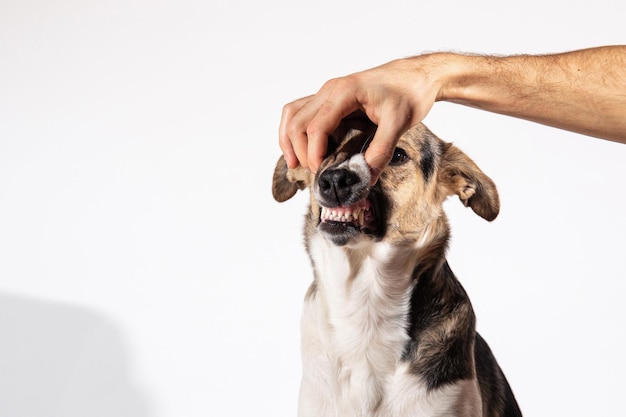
(344, 215)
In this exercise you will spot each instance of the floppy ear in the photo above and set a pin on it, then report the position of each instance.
(461, 176)
(287, 181)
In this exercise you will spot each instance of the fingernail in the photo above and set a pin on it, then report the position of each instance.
(374, 174)
(290, 160)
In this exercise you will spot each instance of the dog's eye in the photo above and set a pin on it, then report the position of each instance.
(399, 157)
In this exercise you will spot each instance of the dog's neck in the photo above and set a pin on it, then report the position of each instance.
(366, 292)
(392, 265)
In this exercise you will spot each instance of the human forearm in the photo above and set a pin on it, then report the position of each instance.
(582, 91)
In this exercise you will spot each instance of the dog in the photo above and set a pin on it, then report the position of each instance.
(387, 329)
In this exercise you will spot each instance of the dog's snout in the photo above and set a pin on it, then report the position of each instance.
(337, 185)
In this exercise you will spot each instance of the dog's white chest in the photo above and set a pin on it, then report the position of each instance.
(353, 329)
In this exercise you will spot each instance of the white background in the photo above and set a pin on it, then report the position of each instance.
(145, 270)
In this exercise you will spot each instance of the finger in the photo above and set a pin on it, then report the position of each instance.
(381, 149)
(325, 121)
(297, 130)
(291, 138)
(377, 157)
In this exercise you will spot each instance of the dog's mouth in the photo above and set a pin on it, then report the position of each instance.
(344, 223)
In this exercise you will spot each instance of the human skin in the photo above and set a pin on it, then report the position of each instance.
(582, 91)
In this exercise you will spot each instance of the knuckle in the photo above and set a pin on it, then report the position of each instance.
(314, 130)
(337, 86)
(330, 84)
(289, 110)
(293, 130)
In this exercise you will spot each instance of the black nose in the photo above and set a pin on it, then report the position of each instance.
(338, 185)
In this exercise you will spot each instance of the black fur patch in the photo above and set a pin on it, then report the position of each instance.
(494, 388)
(440, 356)
(443, 339)
(427, 160)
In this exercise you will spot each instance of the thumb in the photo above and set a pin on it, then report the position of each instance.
(377, 158)
(380, 151)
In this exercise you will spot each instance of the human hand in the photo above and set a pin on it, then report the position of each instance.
(395, 96)
(399, 94)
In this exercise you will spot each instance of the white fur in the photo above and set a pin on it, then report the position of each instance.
(408, 398)
(354, 333)
(357, 164)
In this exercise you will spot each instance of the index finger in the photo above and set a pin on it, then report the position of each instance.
(381, 149)
(329, 115)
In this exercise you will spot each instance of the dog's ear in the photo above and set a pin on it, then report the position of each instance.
(287, 182)
(461, 176)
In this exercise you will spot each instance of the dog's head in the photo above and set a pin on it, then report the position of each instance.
(405, 205)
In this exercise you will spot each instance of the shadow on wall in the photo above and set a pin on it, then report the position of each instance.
(60, 361)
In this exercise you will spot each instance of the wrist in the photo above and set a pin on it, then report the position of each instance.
(462, 77)
(494, 83)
